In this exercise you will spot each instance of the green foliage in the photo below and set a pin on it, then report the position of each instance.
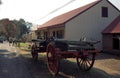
(24, 46)
(14, 28)
(8, 28)
(21, 27)
(0, 2)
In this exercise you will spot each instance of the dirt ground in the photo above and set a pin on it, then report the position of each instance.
(16, 63)
(106, 66)
(11, 64)
(110, 64)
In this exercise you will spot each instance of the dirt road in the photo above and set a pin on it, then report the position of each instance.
(11, 65)
(106, 66)
(19, 64)
(109, 63)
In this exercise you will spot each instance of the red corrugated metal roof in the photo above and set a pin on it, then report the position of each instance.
(114, 27)
(67, 16)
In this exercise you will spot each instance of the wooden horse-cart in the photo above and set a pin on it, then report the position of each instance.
(83, 51)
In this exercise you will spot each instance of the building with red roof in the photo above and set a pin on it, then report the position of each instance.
(111, 36)
(84, 22)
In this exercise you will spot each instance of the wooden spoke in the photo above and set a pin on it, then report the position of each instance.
(85, 62)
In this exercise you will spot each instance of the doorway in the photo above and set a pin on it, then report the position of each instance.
(116, 43)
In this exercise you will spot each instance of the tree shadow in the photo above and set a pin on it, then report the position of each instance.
(3, 50)
(11, 65)
(6, 53)
(67, 68)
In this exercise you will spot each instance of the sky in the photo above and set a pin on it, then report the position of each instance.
(40, 11)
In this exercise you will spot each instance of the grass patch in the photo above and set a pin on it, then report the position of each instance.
(24, 46)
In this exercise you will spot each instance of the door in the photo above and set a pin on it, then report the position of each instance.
(116, 43)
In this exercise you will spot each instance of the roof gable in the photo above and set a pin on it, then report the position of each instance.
(114, 27)
(61, 19)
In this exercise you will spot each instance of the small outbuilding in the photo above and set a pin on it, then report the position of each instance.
(111, 37)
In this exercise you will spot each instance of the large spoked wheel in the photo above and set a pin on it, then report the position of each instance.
(34, 54)
(52, 60)
(85, 62)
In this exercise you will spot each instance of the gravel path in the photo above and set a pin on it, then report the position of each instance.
(11, 65)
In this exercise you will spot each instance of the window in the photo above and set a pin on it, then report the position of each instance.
(104, 12)
(45, 35)
(58, 34)
(53, 33)
(116, 35)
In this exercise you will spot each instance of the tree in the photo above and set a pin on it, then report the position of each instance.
(22, 27)
(8, 28)
(0, 2)
(14, 28)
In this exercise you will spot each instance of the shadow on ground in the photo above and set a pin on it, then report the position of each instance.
(102, 56)
(68, 69)
(6, 53)
(3, 50)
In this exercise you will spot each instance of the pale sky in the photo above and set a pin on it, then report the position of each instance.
(35, 11)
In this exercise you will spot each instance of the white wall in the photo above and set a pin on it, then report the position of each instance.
(90, 24)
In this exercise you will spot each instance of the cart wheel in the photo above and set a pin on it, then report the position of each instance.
(52, 60)
(34, 54)
(85, 62)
